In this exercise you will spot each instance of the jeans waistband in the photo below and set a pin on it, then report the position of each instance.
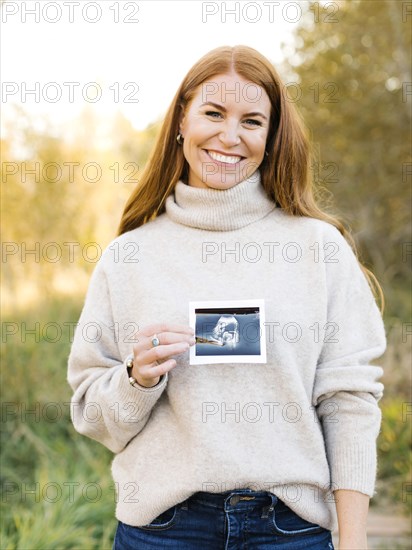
(235, 499)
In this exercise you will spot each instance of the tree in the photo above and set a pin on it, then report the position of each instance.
(352, 75)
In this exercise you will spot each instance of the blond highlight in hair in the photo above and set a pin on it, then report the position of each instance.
(286, 173)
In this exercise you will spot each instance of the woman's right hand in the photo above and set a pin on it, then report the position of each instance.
(151, 362)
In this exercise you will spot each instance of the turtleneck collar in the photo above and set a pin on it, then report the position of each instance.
(219, 210)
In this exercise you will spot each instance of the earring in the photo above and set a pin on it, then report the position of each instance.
(266, 154)
(179, 139)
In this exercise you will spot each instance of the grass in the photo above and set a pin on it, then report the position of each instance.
(57, 491)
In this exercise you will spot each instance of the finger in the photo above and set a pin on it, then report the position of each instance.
(170, 338)
(156, 370)
(165, 339)
(145, 342)
(155, 328)
(160, 353)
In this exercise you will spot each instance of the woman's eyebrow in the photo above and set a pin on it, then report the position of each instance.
(217, 106)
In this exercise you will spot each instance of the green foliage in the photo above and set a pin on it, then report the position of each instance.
(59, 212)
(57, 492)
(351, 68)
(395, 453)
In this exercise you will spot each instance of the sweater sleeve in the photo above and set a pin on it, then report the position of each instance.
(104, 405)
(347, 388)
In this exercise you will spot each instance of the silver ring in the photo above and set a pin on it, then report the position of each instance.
(155, 340)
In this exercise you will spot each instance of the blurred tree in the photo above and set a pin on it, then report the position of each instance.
(350, 63)
(62, 199)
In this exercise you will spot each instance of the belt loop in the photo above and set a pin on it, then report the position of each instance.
(267, 509)
(184, 505)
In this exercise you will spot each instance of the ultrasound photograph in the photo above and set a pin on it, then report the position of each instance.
(228, 332)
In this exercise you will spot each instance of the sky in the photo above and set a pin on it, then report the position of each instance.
(120, 55)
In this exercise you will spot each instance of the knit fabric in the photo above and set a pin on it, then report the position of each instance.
(300, 426)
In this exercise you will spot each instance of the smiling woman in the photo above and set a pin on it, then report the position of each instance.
(225, 136)
(231, 104)
(232, 166)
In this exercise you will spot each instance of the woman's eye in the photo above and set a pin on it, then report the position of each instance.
(253, 122)
(249, 121)
(213, 114)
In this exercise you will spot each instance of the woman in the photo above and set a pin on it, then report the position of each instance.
(194, 467)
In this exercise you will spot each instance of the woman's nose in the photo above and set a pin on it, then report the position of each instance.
(229, 135)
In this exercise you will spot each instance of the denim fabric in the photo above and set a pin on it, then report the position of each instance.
(241, 519)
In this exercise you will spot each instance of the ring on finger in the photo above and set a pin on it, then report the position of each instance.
(155, 340)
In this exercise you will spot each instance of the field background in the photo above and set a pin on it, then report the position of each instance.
(57, 492)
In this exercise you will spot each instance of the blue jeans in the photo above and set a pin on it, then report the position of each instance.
(241, 519)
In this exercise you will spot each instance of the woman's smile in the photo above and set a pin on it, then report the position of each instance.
(223, 158)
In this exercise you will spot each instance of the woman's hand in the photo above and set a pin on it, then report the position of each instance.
(150, 362)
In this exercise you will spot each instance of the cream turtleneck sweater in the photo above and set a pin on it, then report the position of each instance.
(300, 426)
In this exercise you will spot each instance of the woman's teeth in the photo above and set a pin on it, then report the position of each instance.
(224, 158)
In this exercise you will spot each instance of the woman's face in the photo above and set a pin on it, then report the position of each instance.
(225, 128)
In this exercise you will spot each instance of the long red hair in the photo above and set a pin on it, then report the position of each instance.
(286, 173)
